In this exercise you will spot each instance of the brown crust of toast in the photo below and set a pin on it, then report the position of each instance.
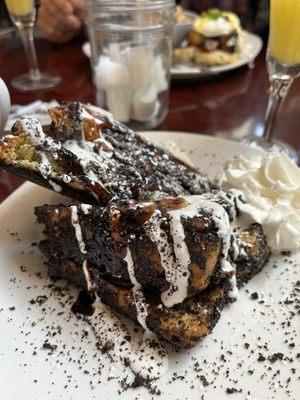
(106, 240)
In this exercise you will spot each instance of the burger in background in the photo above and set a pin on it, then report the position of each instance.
(216, 38)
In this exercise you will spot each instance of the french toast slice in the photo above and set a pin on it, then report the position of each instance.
(172, 242)
(106, 240)
(93, 158)
(108, 232)
(182, 325)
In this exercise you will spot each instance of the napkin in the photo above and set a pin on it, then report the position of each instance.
(38, 109)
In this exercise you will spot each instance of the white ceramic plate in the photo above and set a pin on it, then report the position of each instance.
(252, 47)
(29, 372)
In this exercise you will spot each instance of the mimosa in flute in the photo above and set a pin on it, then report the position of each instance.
(283, 62)
(20, 7)
(285, 31)
(22, 13)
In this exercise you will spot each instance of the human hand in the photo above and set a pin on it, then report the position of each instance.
(60, 20)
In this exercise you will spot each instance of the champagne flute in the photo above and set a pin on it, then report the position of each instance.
(23, 14)
(283, 64)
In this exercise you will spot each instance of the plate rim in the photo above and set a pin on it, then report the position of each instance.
(203, 136)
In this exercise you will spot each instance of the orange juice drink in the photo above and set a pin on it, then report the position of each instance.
(20, 7)
(285, 31)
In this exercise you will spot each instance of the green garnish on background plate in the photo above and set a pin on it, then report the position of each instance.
(213, 13)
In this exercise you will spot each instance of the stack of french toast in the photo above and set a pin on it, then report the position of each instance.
(151, 235)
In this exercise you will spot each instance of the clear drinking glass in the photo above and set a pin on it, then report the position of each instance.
(283, 63)
(23, 14)
(131, 44)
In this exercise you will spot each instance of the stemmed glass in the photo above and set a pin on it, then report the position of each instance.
(283, 64)
(23, 14)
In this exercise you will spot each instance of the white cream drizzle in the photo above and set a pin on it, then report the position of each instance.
(89, 280)
(235, 247)
(177, 271)
(234, 196)
(77, 227)
(56, 187)
(66, 178)
(222, 222)
(234, 291)
(228, 267)
(160, 238)
(173, 271)
(137, 292)
(86, 208)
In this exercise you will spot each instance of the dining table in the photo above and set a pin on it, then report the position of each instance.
(230, 105)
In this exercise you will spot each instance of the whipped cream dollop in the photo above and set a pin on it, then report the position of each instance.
(270, 186)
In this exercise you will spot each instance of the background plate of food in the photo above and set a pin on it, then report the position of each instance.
(215, 44)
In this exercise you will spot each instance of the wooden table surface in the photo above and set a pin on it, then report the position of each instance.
(224, 105)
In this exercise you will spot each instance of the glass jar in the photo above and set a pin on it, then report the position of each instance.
(131, 43)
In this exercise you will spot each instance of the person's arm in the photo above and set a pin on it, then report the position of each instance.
(60, 20)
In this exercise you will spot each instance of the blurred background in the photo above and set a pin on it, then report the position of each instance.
(254, 15)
